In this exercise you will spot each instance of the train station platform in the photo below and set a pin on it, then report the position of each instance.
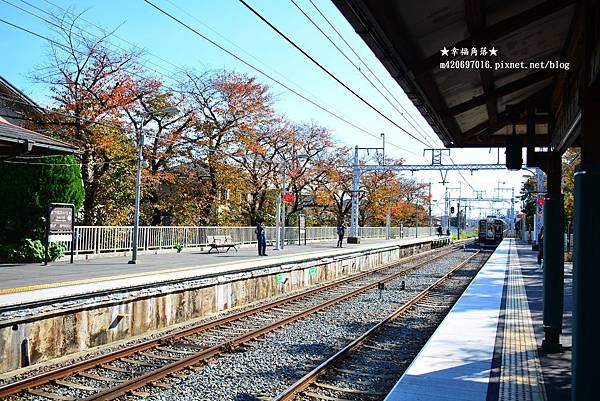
(488, 346)
(27, 283)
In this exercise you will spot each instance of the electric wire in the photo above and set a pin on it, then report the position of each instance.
(167, 74)
(162, 73)
(260, 71)
(252, 56)
(421, 134)
(165, 86)
(88, 120)
(103, 31)
(284, 36)
(273, 70)
(62, 46)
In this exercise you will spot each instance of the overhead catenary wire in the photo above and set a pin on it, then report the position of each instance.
(263, 73)
(333, 76)
(181, 69)
(88, 120)
(66, 48)
(113, 34)
(376, 76)
(421, 134)
(287, 79)
(252, 56)
(163, 73)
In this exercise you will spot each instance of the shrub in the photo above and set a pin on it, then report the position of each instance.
(56, 250)
(30, 251)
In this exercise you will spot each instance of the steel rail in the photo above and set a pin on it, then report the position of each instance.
(304, 382)
(158, 374)
(55, 374)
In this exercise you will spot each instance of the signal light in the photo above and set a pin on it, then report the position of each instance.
(451, 209)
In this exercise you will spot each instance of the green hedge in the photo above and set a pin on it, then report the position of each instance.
(30, 251)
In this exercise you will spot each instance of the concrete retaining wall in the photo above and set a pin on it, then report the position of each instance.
(62, 332)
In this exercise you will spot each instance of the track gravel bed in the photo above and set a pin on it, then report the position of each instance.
(265, 368)
(264, 317)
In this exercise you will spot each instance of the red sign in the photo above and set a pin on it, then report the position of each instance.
(519, 215)
(393, 210)
(540, 201)
(288, 197)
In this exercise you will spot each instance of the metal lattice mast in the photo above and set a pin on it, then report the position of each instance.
(355, 189)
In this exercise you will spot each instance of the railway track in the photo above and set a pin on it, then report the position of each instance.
(367, 367)
(148, 363)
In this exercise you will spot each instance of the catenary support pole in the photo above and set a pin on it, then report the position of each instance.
(353, 237)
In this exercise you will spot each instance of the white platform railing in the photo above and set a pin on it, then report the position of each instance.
(113, 239)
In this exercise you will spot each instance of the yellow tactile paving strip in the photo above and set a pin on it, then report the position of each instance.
(122, 276)
(521, 374)
(291, 258)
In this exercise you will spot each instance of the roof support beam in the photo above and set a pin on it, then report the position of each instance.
(499, 141)
(498, 30)
(475, 25)
(501, 91)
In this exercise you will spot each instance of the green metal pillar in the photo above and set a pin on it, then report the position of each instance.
(586, 277)
(553, 271)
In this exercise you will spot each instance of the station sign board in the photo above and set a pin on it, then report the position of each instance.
(301, 228)
(302, 223)
(60, 226)
(61, 219)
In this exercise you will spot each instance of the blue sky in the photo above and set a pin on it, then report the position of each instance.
(233, 26)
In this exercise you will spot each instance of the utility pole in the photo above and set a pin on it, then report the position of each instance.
(447, 222)
(283, 207)
(458, 220)
(436, 164)
(387, 222)
(416, 218)
(353, 237)
(356, 173)
(430, 220)
(136, 214)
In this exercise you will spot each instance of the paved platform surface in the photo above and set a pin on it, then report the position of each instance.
(487, 348)
(22, 283)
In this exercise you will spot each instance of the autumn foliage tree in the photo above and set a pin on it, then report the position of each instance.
(219, 158)
(230, 107)
(91, 87)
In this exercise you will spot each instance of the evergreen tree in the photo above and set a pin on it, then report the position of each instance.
(28, 188)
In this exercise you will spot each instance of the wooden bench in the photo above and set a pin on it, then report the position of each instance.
(221, 241)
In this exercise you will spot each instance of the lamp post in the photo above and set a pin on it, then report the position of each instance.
(138, 177)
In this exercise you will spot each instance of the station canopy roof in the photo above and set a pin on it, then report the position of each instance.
(471, 107)
(16, 141)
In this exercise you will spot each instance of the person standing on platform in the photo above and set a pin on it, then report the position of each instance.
(341, 230)
(439, 231)
(261, 237)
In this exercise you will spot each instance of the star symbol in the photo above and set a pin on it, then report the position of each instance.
(444, 51)
(493, 51)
